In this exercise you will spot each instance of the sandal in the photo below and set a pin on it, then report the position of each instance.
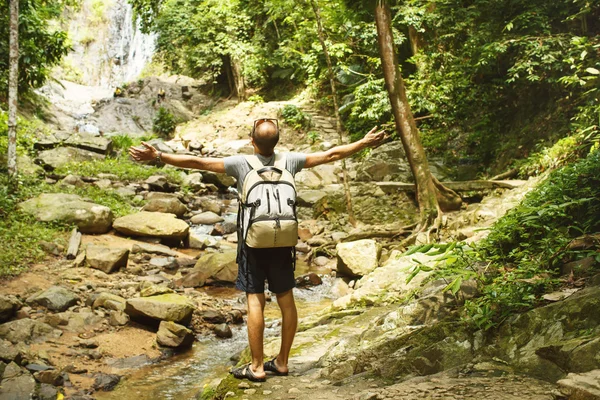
(245, 372)
(271, 367)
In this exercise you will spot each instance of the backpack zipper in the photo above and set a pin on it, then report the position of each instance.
(269, 203)
(278, 199)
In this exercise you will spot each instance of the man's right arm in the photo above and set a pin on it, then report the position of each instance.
(178, 160)
(371, 139)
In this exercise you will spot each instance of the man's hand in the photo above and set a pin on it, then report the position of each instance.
(143, 154)
(374, 138)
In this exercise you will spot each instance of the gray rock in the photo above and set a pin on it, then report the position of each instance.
(223, 331)
(358, 258)
(9, 352)
(159, 183)
(55, 298)
(50, 377)
(73, 180)
(174, 335)
(7, 308)
(308, 198)
(164, 262)
(85, 141)
(582, 386)
(165, 307)
(193, 181)
(27, 330)
(81, 321)
(209, 204)
(152, 249)
(224, 228)
(17, 383)
(47, 392)
(118, 318)
(106, 259)
(220, 180)
(206, 218)
(213, 316)
(70, 209)
(61, 156)
(152, 224)
(202, 241)
(172, 206)
(217, 267)
(109, 301)
(103, 184)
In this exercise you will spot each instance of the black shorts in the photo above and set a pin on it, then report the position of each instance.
(276, 265)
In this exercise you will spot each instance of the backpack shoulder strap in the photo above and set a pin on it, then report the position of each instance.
(280, 161)
(254, 162)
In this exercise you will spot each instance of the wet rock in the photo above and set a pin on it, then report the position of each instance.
(55, 298)
(209, 204)
(193, 181)
(148, 289)
(308, 280)
(7, 308)
(118, 318)
(582, 386)
(174, 335)
(27, 330)
(213, 316)
(302, 247)
(105, 382)
(358, 258)
(50, 377)
(164, 262)
(89, 142)
(61, 156)
(201, 241)
(172, 206)
(321, 261)
(106, 259)
(166, 307)
(152, 224)
(237, 317)
(223, 331)
(152, 249)
(17, 383)
(186, 262)
(109, 301)
(224, 228)
(70, 209)
(159, 183)
(206, 218)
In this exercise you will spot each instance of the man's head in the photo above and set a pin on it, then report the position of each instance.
(265, 135)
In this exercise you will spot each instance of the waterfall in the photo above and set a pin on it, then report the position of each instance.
(128, 49)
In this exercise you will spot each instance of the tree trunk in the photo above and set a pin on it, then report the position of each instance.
(427, 195)
(238, 79)
(338, 119)
(13, 84)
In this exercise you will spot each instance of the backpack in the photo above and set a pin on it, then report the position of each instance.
(267, 216)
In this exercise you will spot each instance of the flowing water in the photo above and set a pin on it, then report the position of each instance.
(183, 376)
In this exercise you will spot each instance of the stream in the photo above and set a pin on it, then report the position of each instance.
(183, 376)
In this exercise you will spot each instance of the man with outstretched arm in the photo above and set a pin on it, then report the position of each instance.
(275, 265)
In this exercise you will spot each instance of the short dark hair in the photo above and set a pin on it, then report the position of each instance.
(266, 136)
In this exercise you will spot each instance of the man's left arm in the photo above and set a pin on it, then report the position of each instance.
(178, 160)
(371, 139)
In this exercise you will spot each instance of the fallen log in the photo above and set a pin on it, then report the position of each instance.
(74, 243)
(457, 186)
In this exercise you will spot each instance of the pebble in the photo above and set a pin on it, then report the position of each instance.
(257, 384)
(267, 392)
(294, 391)
(229, 394)
(250, 392)
(244, 385)
(276, 387)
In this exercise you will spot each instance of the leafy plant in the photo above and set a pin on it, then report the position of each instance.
(295, 117)
(164, 122)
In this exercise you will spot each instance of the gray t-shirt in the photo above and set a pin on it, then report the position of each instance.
(238, 167)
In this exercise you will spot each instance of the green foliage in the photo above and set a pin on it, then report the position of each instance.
(295, 117)
(41, 44)
(313, 136)
(164, 122)
(256, 98)
(28, 130)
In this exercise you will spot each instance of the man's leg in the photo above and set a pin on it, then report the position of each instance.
(288, 328)
(256, 328)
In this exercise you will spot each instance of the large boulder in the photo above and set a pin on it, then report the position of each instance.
(582, 386)
(220, 180)
(106, 259)
(70, 209)
(89, 142)
(61, 156)
(7, 308)
(385, 163)
(165, 307)
(166, 205)
(318, 177)
(17, 383)
(55, 298)
(358, 258)
(215, 267)
(193, 181)
(171, 334)
(27, 330)
(152, 224)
